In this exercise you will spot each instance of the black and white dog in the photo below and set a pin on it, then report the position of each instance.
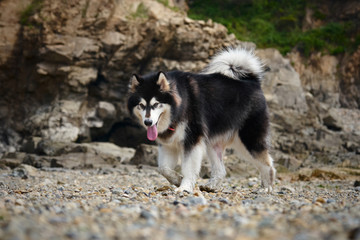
(193, 116)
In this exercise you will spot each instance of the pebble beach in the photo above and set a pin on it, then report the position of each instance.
(136, 202)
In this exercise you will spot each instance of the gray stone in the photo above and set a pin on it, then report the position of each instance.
(85, 155)
(145, 154)
(24, 171)
(338, 119)
(224, 200)
(113, 39)
(79, 78)
(282, 85)
(106, 110)
(9, 162)
(194, 201)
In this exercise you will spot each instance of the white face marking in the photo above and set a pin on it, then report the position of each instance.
(154, 111)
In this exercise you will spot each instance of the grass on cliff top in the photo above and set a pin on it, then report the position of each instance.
(141, 12)
(277, 24)
(166, 4)
(29, 11)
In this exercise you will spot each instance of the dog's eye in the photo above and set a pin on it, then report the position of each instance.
(155, 105)
(142, 106)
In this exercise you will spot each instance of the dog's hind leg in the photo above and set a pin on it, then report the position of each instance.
(264, 163)
(215, 154)
(167, 160)
(262, 160)
(190, 167)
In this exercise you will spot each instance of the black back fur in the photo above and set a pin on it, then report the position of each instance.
(212, 105)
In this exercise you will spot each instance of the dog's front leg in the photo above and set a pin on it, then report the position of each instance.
(167, 160)
(190, 168)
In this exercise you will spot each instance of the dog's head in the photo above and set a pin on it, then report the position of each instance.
(150, 101)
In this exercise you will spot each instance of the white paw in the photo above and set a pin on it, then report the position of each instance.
(269, 189)
(268, 178)
(266, 185)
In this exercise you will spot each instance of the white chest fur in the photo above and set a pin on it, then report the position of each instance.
(177, 138)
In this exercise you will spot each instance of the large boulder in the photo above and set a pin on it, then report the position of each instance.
(282, 86)
(350, 80)
(70, 155)
(318, 75)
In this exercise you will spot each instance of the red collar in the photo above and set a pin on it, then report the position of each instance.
(171, 129)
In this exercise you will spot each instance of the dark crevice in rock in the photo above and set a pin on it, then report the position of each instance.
(127, 133)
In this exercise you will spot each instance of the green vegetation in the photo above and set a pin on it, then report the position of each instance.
(30, 10)
(278, 24)
(166, 4)
(84, 10)
(141, 12)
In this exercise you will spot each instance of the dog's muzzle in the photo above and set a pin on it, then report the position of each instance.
(148, 122)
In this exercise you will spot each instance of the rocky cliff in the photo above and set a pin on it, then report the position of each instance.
(64, 70)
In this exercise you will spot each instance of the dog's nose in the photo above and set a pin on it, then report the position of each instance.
(148, 122)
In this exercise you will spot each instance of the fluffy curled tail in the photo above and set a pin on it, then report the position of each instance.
(236, 63)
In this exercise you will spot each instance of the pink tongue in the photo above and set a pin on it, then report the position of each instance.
(152, 133)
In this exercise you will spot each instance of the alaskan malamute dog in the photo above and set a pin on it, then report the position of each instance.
(193, 116)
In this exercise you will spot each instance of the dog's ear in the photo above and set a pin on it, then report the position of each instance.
(163, 82)
(134, 82)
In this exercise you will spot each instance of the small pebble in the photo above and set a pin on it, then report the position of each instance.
(287, 189)
(193, 201)
(224, 200)
(247, 201)
(57, 220)
(357, 183)
(117, 191)
(215, 205)
(3, 193)
(240, 220)
(163, 188)
(262, 199)
(320, 200)
(19, 202)
(71, 235)
(146, 214)
(251, 184)
(181, 210)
